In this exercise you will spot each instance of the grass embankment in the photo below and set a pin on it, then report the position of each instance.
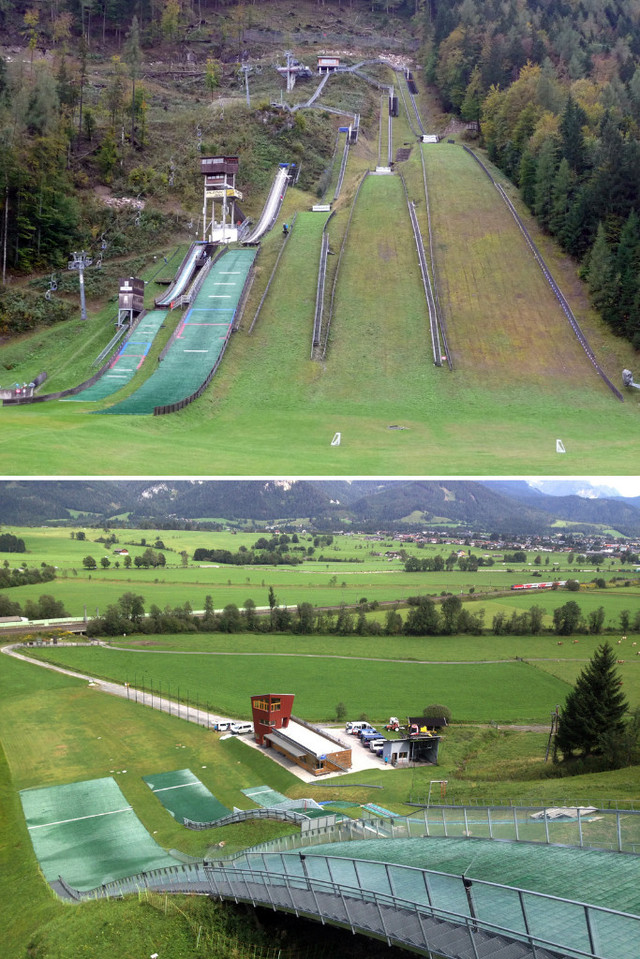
(54, 729)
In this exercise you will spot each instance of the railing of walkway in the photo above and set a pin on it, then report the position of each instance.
(405, 904)
(617, 830)
(588, 828)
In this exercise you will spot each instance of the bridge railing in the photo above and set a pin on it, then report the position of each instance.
(354, 890)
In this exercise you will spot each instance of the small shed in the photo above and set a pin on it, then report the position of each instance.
(422, 725)
(328, 64)
(411, 749)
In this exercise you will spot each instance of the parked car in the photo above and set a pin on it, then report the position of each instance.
(368, 735)
(222, 727)
(375, 744)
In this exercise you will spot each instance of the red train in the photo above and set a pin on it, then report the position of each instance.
(557, 582)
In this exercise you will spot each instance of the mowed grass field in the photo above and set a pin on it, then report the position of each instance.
(520, 381)
(361, 571)
(503, 692)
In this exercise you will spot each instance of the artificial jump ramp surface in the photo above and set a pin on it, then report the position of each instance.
(88, 833)
(184, 275)
(199, 341)
(126, 362)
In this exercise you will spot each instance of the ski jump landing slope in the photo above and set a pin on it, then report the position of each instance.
(272, 206)
(126, 362)
(199, 340)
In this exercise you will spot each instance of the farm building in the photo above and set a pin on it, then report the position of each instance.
(303, 744)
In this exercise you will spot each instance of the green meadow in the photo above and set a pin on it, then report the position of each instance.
(354, 567)
(503, 692)
(520, 381)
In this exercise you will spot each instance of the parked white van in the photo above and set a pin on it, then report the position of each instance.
(357, 727)
(241, 728)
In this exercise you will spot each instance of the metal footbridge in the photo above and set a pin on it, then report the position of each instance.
(457, 898)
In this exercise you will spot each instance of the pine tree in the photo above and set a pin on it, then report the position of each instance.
(572, 121)
(546, 170)
(594, 709)
(600, 276)
(561, 201)
(527, 178)
(626, 267)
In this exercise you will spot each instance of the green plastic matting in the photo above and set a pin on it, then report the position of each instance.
(264, 796)
(609, 879)
(185, 797)
(127, 361)
(88, 834)
(199, 340)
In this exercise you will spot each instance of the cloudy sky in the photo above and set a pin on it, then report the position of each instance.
(590, 486)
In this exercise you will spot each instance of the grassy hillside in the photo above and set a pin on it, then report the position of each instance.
(521, 381)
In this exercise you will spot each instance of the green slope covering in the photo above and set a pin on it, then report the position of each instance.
(182, 793)
(200, 338)
(88, 834)
(127, 361)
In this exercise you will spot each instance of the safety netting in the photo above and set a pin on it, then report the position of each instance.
(88, 833)
(185, 797)
(200, 338)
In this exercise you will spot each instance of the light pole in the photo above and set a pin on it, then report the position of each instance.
(80, 262)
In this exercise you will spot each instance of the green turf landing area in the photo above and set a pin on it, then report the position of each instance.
(127, 360)
(199, 340)
(264, 796)
(609, 879)
(88, 834)
(185, 797)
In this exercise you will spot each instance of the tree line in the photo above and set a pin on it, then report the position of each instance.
(425, 617)
(11, 544)
(24, 576)
(46, 607)
(555, 91)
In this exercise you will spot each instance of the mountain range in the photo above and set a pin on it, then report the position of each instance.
(502, 506)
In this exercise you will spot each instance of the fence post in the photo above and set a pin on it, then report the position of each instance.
(525, 919)
(593, 942)
(619, 830)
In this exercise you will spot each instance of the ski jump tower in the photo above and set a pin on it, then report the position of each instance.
(220, 188)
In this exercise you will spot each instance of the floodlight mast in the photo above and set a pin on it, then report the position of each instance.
(79, 262)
